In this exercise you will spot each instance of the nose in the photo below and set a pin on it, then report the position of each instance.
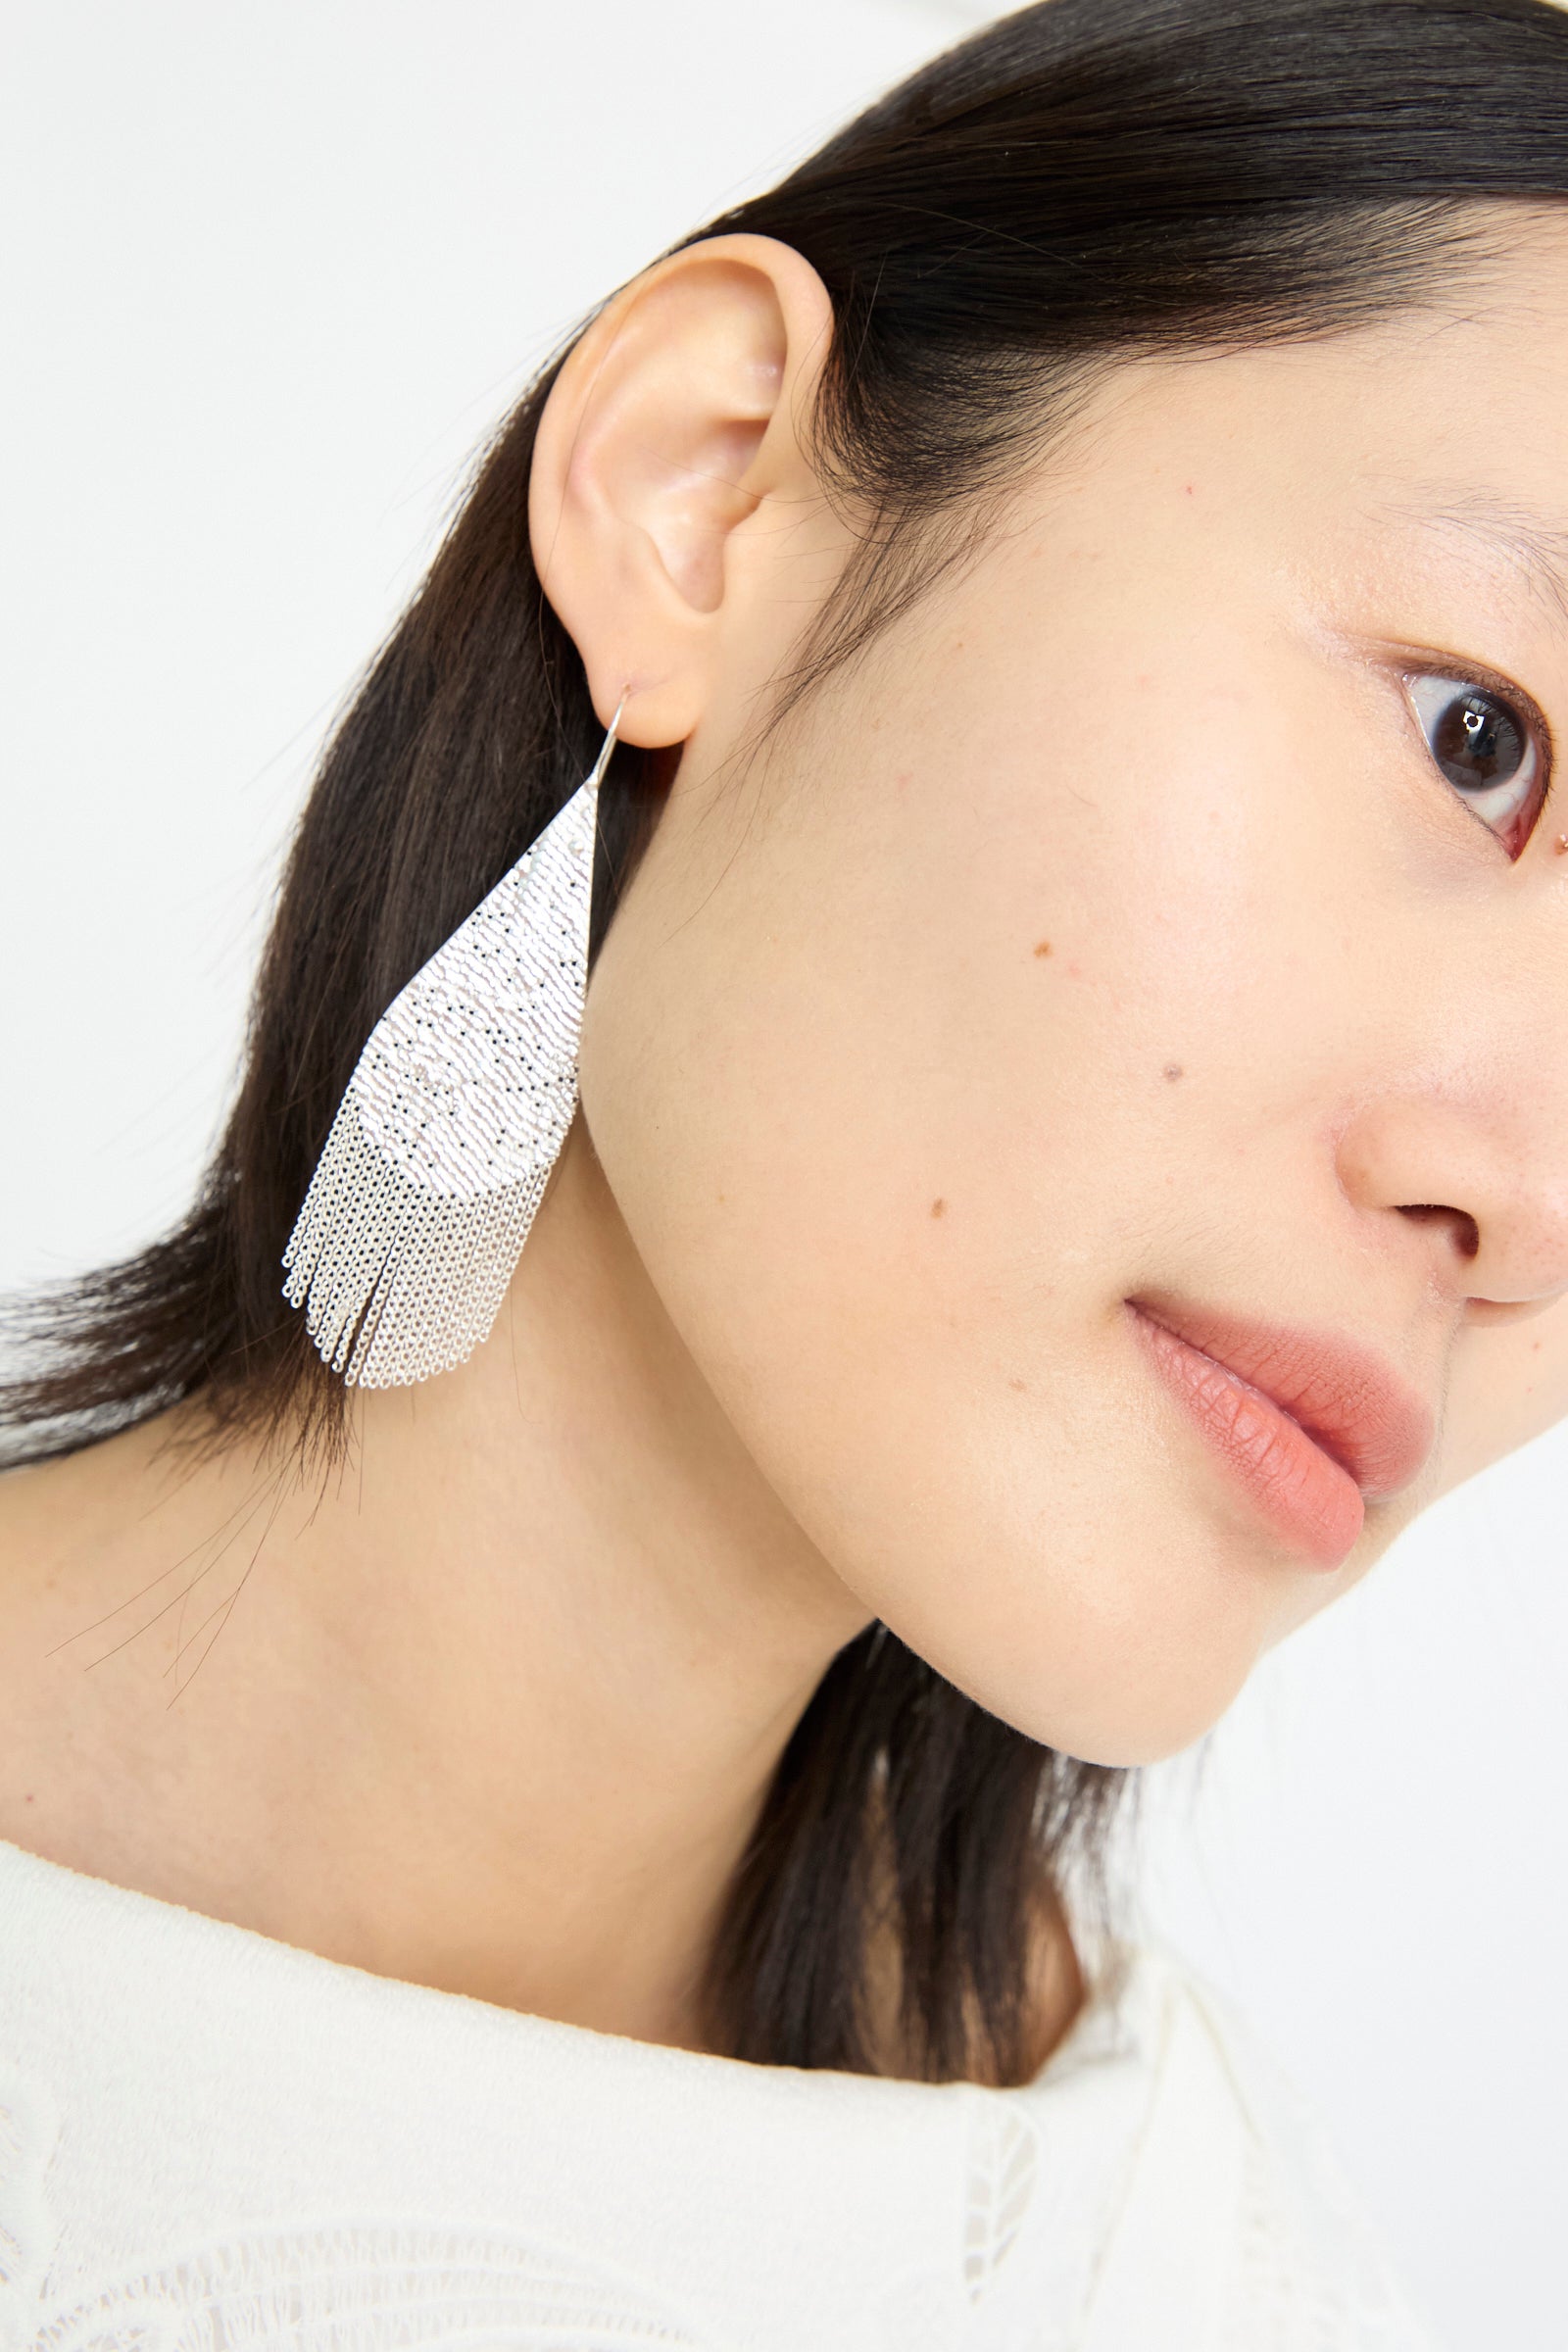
(1475, 1173)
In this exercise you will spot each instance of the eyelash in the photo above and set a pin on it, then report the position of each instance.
(1461, 678)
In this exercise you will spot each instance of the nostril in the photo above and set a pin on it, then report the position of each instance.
(1466, 1232)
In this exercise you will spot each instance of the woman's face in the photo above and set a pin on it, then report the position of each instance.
(1161, 929)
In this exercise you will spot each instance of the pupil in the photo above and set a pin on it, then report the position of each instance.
(1477, 741)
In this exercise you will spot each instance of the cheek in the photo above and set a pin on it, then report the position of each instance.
(1508, 1385)
(892, 1169)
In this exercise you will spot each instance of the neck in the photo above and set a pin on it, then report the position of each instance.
(494, 1709)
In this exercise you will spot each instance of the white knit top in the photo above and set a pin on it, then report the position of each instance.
(211, 2141)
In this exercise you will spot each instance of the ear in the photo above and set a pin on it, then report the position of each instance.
(667, 458)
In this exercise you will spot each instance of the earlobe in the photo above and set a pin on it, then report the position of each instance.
(671, 426)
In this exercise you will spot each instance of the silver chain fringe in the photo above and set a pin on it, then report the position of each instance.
(453, 1118)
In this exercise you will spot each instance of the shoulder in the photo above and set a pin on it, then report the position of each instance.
(1234, 2208)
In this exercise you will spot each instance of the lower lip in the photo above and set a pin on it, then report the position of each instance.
(1299, 1491)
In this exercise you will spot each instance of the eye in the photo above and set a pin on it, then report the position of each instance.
(1493, 749)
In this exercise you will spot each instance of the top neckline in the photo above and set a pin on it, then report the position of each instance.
(1119, 1976)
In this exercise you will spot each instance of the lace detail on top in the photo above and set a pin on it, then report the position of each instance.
(1021, 2280)
(216, 2143)
(1001, 2181)
(350, 2287)
(364, 2287)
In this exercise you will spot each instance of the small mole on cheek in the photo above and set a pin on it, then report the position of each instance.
(1190, 488)
(1043, 949)
(1173, 1069)
(939, 1209)
(1020, 1385)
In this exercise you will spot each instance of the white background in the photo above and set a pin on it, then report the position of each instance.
(269, 274)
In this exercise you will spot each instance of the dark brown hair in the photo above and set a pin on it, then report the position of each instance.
(1088, 180)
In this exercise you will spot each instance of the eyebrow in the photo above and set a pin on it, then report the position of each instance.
(1531, 542)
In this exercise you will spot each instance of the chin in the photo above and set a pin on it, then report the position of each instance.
(1113, 1737)
(1147, 1695)
(1124, 1749)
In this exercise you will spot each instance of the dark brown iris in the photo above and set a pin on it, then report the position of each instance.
(1478, 741)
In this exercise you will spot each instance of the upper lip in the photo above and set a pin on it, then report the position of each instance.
(1373, 1423)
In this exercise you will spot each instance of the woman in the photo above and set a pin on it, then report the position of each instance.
(1060, 1159)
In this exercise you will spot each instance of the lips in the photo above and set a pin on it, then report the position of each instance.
(1313, 1425)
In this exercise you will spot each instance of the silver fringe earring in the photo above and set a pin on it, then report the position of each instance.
(453, 1118)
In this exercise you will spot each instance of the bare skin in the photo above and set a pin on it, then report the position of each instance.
(824, 1318)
